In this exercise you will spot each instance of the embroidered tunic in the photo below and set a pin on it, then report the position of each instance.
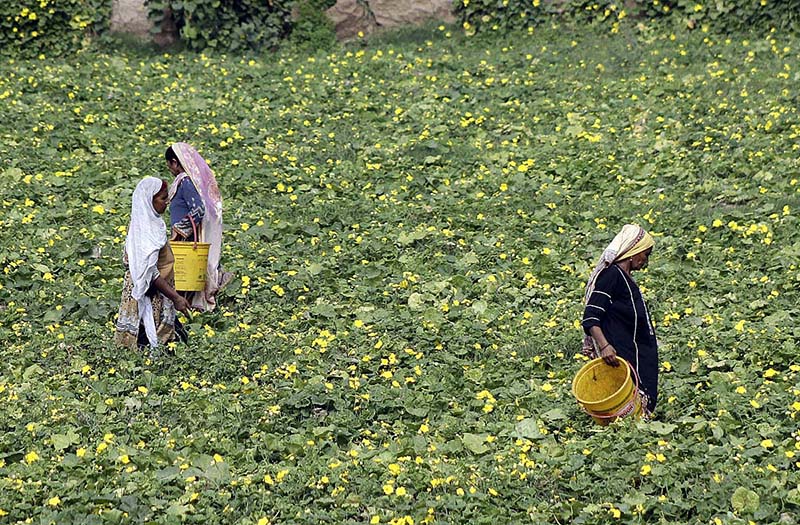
(186, 202)
(617, 307)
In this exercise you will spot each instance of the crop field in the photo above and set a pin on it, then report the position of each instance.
(411, 221)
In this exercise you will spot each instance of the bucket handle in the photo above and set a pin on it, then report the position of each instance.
(194, 230)
(627, 405)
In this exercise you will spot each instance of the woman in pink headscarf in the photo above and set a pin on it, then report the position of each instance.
(196, 205)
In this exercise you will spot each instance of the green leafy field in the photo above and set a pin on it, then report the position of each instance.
(411, 221)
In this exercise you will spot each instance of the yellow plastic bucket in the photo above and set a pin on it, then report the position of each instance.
(191, 260)
(606, 392)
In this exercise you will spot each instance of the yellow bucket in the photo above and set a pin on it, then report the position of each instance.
(606, 392)
(191, 260)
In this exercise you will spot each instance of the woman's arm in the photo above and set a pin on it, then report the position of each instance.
(607, 350)
(183, 229)
(181, 304)
(595, 312)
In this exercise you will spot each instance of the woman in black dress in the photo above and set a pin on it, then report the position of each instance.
(616, 321)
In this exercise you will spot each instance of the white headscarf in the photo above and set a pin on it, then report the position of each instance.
(147, 234)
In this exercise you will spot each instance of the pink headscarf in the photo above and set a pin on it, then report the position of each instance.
(196, 168)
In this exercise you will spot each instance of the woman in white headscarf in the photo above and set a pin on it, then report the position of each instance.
(149, 299)
(616, 321)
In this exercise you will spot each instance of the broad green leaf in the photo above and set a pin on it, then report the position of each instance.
(744, 501)
(555, 414)
(64, 441)
(658, 427)
(475, 443)
(528, 428)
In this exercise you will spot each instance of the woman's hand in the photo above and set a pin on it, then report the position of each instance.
(176, 235)
(609, 355)
(181, 305)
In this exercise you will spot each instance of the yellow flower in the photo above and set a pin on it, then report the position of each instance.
(401, 491)
(218, 458)
(645, 470)
(388, 489)
(771, 373)
(98, 209)
(767, 443)
(263, 521)
(80, 452)
(31, 456)
(55, 501)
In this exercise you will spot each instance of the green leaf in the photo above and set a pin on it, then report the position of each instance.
(744, 501)
(416, 301)
(32, 371)
(528, 428)
(662, 429)
(64, 441)
(475, 443)
(554, 415)
(793, 496)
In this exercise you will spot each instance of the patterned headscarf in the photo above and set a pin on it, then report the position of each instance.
(632, 239)
(197, 169)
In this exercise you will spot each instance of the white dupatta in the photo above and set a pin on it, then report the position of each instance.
(147, 234)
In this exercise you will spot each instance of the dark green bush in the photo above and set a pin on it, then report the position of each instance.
(494, 15)
(227, 24)
(312, 29)
(50, 27)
